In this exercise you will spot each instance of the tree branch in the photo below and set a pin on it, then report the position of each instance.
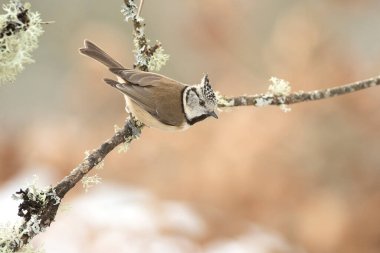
(148, 57)
(38, 213)
(140, 8)
(260, 100)
(46, 212)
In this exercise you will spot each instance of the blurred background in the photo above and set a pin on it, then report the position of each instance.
(255, 180)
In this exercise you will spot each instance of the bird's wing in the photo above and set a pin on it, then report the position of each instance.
(164, 102)
(142, 78)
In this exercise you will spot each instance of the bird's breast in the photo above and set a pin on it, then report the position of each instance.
(150, 120)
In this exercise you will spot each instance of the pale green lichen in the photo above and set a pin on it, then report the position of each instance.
(158, 59)
(280, 88)
(10, 235)
(264, 100)
(18, 38)
(154, 61)
(222, 101)
(285, 108)
(90, 181)
(146, 56)
(135, 127)
(123, 147)
(37, 194)
(140, 31)
(129, 10)
(33, 226)
(139, 52)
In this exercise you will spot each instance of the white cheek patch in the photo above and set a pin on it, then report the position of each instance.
(191, 106)
(192, 99)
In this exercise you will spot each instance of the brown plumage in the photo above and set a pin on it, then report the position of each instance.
(154, 99)
(150, 91)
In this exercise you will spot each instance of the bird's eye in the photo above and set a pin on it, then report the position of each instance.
(201, 102)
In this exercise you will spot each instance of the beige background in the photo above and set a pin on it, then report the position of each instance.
(312, 174)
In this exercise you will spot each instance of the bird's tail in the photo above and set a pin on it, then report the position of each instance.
(93, 51)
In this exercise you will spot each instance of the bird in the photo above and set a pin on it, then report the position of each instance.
(156, 100)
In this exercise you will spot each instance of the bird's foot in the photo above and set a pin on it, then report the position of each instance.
(135, 125)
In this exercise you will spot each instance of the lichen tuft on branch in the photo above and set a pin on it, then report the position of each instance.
(20, 29)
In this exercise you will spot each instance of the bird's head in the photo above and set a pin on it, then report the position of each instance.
(199, 101)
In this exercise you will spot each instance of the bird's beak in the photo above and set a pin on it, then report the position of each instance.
(213, 114)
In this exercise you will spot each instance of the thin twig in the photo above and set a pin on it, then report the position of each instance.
(48, 22)
(143, 50)
(297, 97)
(140, 8)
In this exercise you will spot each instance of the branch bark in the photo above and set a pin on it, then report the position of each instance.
(47, 213)
(297, 97)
